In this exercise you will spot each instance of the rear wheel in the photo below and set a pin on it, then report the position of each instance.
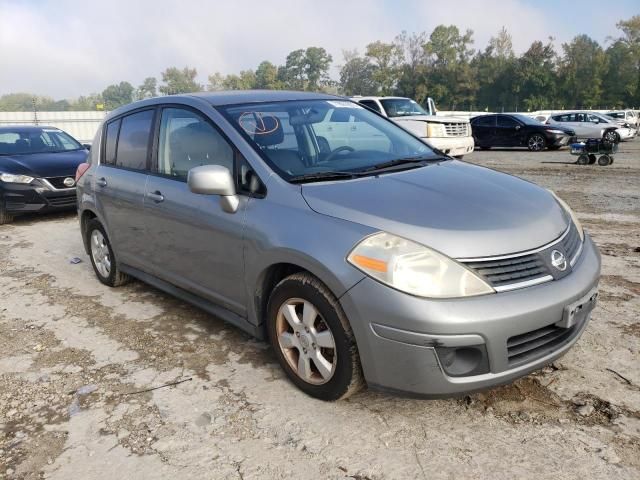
(4, 215)
(536, 143)
(312, 339)
(583, 159)
(102, 256)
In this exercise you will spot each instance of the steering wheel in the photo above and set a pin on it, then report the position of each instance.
(333, 154)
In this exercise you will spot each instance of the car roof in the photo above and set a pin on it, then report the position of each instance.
(24, 128)
(253, 96)
(373, 97)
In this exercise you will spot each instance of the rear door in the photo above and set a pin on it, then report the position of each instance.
(483, 129)
(191, 241)
(119, 183)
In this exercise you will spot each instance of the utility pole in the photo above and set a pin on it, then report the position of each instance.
(35, 111)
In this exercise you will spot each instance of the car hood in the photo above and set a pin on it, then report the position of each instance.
(459, 209)
(44, 164)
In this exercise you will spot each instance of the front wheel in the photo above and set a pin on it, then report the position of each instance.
(312, 338)
(536, 143)
(612, 136)
(102, 257)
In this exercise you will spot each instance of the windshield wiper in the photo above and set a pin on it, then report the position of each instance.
(319, 176)
(417, 161)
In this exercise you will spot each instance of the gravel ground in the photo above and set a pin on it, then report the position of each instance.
(75, 356)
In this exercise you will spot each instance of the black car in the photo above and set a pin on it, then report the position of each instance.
(515, 130)
(37, 170)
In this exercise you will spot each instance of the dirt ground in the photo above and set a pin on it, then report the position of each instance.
(74, 354)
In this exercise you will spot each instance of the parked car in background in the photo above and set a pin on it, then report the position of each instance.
(627, 116)
(37, 170)
(451, 135)
(378, 257)
(591, 125)
(516, 130)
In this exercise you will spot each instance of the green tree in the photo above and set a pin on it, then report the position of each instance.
(117, 95)
(535, 82)
(495, 73)
(316, 68)
(631, 38)
(386, 59)
(581, 70)
(148, 89)
(179, 81)
(412, 74)
(267, 76)
(356, 75)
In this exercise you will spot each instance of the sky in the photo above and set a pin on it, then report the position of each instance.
(67, 48)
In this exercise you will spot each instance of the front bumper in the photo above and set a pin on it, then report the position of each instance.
(402, 356)
(35, 197)
(454, 146)
(560, 140)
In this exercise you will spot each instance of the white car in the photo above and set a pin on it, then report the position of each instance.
(592, 125)
(625, 116)
(450, 134)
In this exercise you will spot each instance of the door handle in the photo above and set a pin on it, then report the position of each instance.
(155, 196)
(101, 182)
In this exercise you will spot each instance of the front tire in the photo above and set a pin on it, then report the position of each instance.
(312, 339)
(612, 136)
(536, 143)
(4, 215)
(102, 257)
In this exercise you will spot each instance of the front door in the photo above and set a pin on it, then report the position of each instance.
(507, 131)
(191, 241)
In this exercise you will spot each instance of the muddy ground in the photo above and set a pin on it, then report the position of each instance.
(75, 356)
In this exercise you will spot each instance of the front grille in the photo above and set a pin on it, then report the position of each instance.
(528, 346)
(57, 182)
(510, 270)
(458, 129)
(63, 201)
(506, 273)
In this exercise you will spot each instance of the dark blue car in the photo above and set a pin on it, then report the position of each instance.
(37, 170)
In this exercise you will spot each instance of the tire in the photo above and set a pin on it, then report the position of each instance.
(536, 143)
(99, 251)
(604, 160)
(611, 136)
(5, 217)
(583, 159)
(329, 372)
(592, 159)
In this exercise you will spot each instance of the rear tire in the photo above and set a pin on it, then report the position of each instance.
(102, 257)
(605, 160)
(5, 217)
(312, 338)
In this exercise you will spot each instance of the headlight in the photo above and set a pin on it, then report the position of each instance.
(435, 130)
(11, 178)
(414, 268)
(559, 132)
(574, 218)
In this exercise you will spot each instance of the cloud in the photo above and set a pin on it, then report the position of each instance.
(66, 48)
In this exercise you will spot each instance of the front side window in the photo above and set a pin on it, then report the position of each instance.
(133, 141)
(315, 136)
(187, 140)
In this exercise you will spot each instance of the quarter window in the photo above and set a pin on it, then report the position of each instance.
(133, 141)
(186, 141)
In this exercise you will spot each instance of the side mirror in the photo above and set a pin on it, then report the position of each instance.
(214, 180)
(87, 146)
(518, 127)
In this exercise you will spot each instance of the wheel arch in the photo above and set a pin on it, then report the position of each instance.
(85, 217)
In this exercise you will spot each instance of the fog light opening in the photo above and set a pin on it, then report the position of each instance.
(463, 361)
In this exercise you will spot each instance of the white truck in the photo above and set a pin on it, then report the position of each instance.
(452, 135)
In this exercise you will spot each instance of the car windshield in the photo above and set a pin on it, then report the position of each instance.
(325, 138)
(22, 141)
(526, 120)
(401, 107)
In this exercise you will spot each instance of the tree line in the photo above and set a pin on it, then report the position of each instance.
(442, 65)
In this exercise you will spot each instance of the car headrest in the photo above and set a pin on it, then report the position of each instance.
(265, 129)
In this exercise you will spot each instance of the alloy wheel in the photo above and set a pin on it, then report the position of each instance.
(100, 253)
(536, 143)
(306, 341)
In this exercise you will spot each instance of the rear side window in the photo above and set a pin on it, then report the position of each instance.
(110, 142)
(488, 121)
(507, 122)
(370, 104)
(133, 141)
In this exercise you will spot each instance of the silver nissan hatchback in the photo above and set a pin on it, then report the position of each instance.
(362, 254)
